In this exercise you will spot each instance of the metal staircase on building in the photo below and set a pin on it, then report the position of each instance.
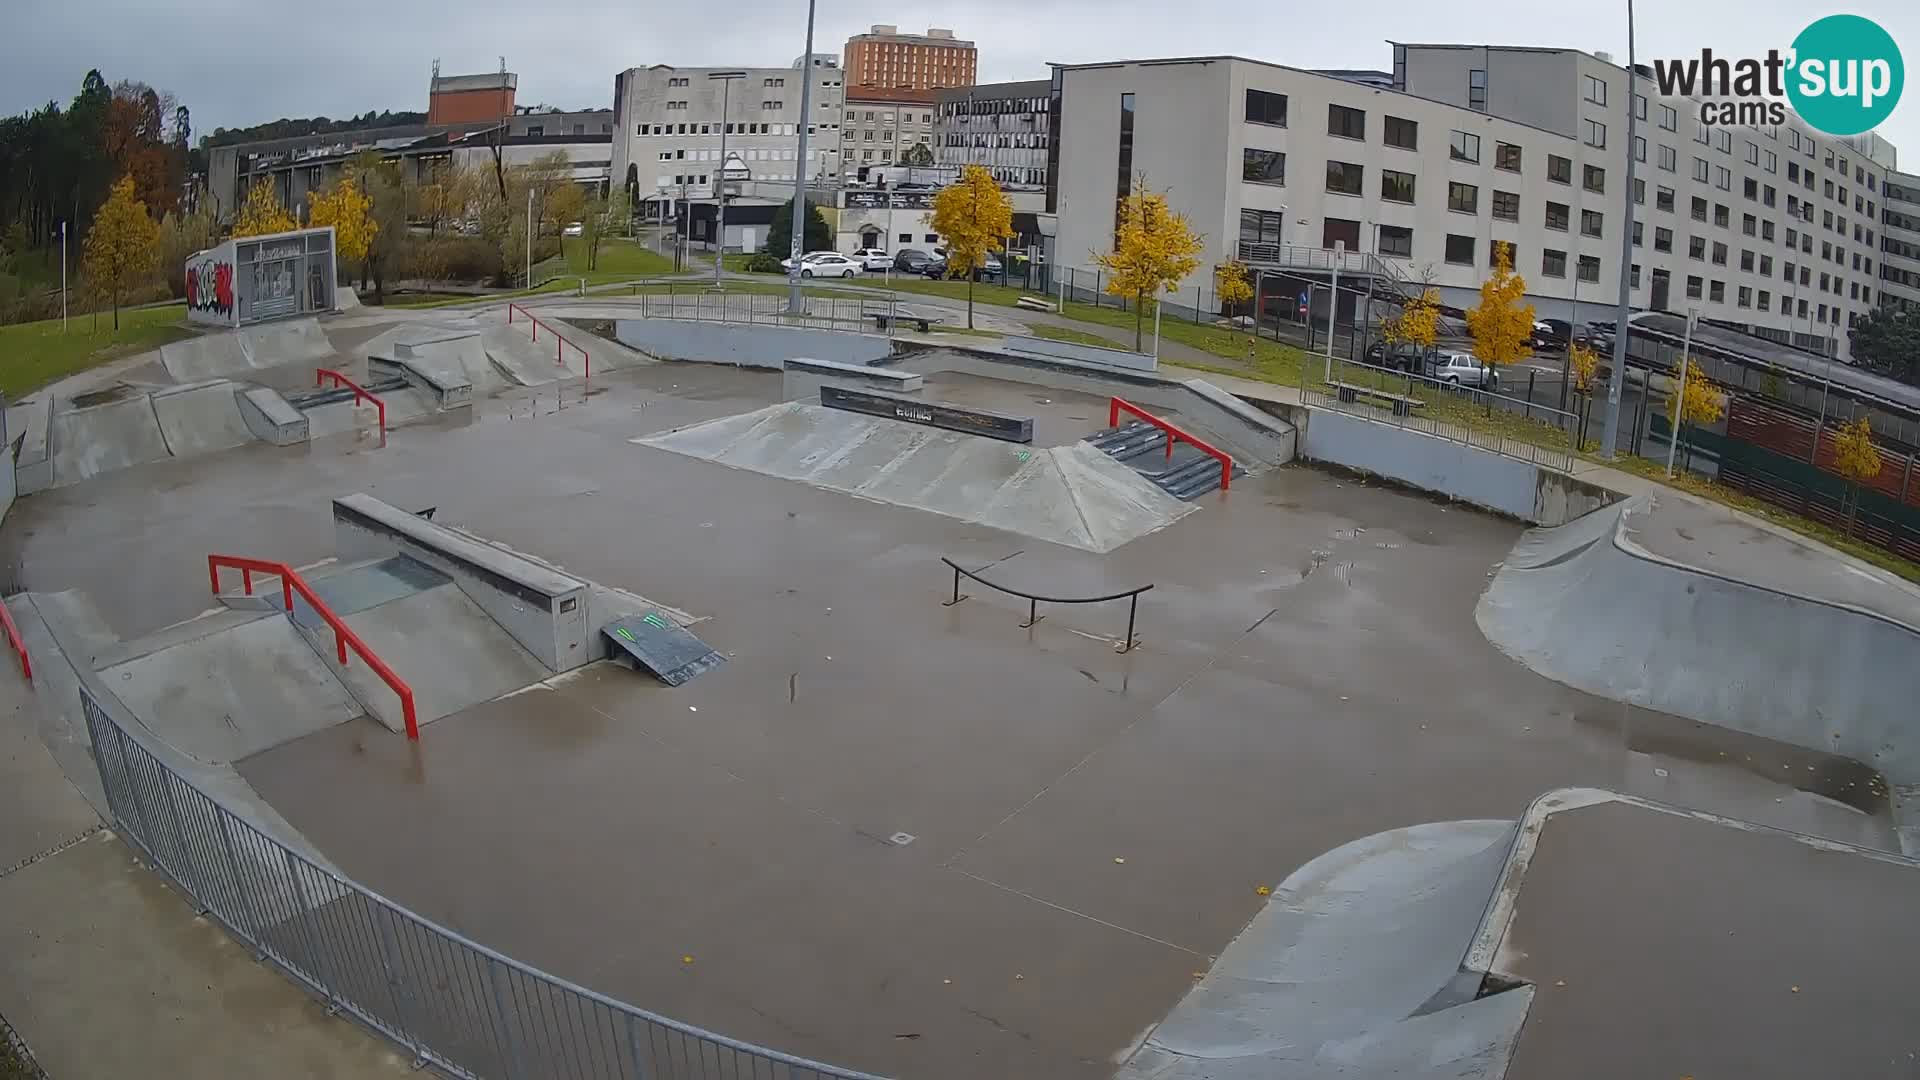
(1186, 475)
(1394, 284)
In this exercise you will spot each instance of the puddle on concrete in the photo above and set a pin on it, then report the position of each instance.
(1830, 776)
(104, 396)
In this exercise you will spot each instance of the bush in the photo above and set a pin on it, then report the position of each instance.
(452, 258)
(764, 262)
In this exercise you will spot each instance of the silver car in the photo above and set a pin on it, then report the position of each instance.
(1462, 369)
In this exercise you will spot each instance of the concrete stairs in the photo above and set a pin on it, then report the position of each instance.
(1186, 475)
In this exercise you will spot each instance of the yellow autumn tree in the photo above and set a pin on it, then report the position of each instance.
(1695, 401)
(1582, 365)
(1233, 284)
(1502, 322)
(1857, 459)
(262, 213)
(1153, 251)
(1417, 324)
(122, 247)
(349, 209)
(976, 218)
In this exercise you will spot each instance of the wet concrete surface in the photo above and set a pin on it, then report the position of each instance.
(1088, 828)
(1059, 416)
(1666, 946)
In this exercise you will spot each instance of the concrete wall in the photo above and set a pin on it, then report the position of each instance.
(1088, 354)
(746, 346)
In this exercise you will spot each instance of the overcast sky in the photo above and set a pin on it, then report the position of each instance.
(239, 62)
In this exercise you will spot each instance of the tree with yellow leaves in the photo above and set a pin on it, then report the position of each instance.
(1695, 401)
(122, 247)
(1417, 324)
(1233, 284)
(349, 209)
(262, 213)
(976, 218)
(1582, 365)
(1857, 459)
(1153, 251)
(1502, 323)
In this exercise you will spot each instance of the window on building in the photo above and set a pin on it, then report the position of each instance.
(1594, 179)
(1766, 230)
(1722, 178)
(1402, 133)
(1766, 300)
(1640, 106)
(1639, 192)
(1596, 90)
(1463, 198)
(1746, 260)
(1752, 153)
(1506, 156)
(1773, 162)
(1717, 292)
(1261, 226)
(1460, 249)
(1265, 108)
(1663, 240)
(1553, 263)
(1669, 119)
(1699, 209)
(1696, 286)
(1696, 247)
(1477, 90)
(1749, 225)
(1463, 147)
(1396, 186)
(1346, 123)
(1590, 222)
(1639, 148)
(1594, 133)
(1589, 268)
(1125, 171)
(1723, 140)
(1702, 169)
(1663, 199)
(1722, 215)
(1263, 166)
(1793, 170)
(1396, 240)
(1344, 177)
(1506, 205)
(1557, 216)
(1700, 133)
(1669, 158)
(1559, 169)
(1746, 296)
(1719, 253)
(1768, 195)
(1637, 233)
(1750, 188)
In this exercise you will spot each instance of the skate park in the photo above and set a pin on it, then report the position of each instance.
(1370, 779)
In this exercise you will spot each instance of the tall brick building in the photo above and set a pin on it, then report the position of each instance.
(885, 57)
(465, 99)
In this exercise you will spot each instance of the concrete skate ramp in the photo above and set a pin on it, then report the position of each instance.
(1072, 495)
(450, 355)
(234, 692)
(200, 418)
(290, 341)
(451, 653)
(1328, 978)
(101, 438)
(519, 359)
(224, 353)
(1585, 605)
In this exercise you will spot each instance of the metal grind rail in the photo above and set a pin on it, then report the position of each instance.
(560, 342)
(1034, 600)
(18, 643)
(343, 636)
(1116, 406)
(321, 375)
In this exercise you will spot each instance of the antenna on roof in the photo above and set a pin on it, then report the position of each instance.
(436, 67)
(503, 65)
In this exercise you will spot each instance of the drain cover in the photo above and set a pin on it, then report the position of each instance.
(901, 839)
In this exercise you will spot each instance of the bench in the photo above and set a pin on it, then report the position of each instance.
(1034, 303)
(923, 322)
(1402, 404)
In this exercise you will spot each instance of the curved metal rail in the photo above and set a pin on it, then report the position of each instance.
(1131, 596)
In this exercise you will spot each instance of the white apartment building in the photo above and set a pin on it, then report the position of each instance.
(879, 126)
(1770, 230)
(1005, 127)
(1900, 242)
(668, 123)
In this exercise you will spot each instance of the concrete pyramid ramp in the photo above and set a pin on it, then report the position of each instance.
(519, 359)
(1072, 495)
(233, 692)
(449, 652)
(201, 418)
(102, 438)
(451, 354)
(1353, 969)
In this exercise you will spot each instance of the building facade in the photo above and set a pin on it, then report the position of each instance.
(1900, 243)
(1770, 231)
(467, 99)
(668, 123)
(880, 126)
(1005, 127)
(888, 58)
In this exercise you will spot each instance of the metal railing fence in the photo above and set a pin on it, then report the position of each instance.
(1486, 420)
(453, 1003)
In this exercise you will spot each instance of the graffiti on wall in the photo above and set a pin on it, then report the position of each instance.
(210, 287)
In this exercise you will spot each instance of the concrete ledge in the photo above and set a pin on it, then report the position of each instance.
(746, 344)
(271, 417)
(884, 378)
(1085, 354)
(448, 383)
(33, 466)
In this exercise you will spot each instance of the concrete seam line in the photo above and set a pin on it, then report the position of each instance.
(54, 850)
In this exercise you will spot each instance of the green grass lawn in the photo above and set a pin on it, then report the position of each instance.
(620, 259)
(37, 353)
(1078, 337)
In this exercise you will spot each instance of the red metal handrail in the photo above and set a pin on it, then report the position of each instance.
(1116, 406)
(343, 635)
(586, 362)
(321, 375)
(14, 639)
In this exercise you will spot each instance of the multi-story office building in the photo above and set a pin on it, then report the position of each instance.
(668, 123)
(880, 126)
(886, 57)
(1900, 242)
(1771, 230)
(1005, 127)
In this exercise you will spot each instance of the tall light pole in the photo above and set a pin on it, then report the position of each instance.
(796, 304)
(725, 79)
(1617, 379)
(63, 277)
(529, 239)
(1680, 391)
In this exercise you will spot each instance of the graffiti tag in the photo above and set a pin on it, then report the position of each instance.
(210, 287)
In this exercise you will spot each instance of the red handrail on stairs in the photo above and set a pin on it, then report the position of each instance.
(19, 643)
(343, 635)
(320, 377)
(1174, 434)
(586, 362)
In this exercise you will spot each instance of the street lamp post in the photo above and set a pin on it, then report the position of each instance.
(725, 79)
(529, 239)
(796, 304)
(63, 277)
(1680, 390)
(1617, 380)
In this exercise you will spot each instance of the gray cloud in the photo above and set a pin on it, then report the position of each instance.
(237, 62)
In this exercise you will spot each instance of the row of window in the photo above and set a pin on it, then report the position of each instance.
(715, 129)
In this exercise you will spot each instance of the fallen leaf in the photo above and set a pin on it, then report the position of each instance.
(1019, 978)
(1118, 859)
(1560, 982)
(1263, 891)
(687, 959)
(906, 1035)
(1796, 989)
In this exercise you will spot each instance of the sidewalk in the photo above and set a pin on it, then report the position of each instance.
(108, 971)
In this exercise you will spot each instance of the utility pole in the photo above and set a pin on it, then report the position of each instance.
(1617, 379)
(725, 79)
(63, 276)
(529, 239)
(1333, 302)
(796, 304)
(1680, 390)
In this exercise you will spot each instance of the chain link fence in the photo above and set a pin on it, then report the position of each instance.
(453, 1003)
(1485, 419)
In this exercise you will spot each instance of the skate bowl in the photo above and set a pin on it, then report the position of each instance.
(1589, 605)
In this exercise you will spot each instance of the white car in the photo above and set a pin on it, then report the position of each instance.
(574, 229)
(787, 264)
(872, 259)
(831, 264)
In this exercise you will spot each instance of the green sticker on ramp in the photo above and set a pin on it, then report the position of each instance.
(651, 620)
(624, 633)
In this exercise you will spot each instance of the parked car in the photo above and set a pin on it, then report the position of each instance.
(938, 267)
(811, 256)
(911, 261)
(1559, 332)
(574, 229)
(1546, 336)
(873, 260)
(832, 264)
(1462, 369)
(1403, 356)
